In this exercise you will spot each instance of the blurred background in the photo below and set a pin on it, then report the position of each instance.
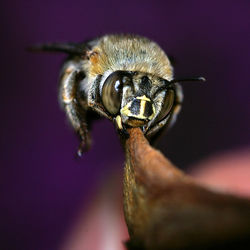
(43, 188)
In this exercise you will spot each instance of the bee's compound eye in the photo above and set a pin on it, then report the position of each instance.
(167, 105)
(111, 93)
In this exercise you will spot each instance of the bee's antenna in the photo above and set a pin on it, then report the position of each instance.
(200, 79)
(69, 48)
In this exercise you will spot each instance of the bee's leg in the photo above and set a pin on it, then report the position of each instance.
(77, 117)
(69, 98)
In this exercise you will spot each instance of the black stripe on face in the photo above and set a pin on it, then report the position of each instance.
(145, 85)
(135, 107)
(148, 110)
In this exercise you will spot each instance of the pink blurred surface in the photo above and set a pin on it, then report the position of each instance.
(228, 172)
(102, 225)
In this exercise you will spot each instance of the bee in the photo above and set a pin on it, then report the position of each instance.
(125, 78)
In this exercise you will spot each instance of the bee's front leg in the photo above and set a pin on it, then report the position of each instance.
(69, 97)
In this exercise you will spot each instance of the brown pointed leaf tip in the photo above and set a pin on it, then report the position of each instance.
(166, 209)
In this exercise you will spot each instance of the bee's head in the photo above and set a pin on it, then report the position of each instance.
(138, 99)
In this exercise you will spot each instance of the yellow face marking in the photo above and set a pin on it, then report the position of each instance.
(143, 101)
(143, 98)
(142, 108)
(118, 120)
(125, 110)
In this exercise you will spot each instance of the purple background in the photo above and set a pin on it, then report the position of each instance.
(42, 186)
